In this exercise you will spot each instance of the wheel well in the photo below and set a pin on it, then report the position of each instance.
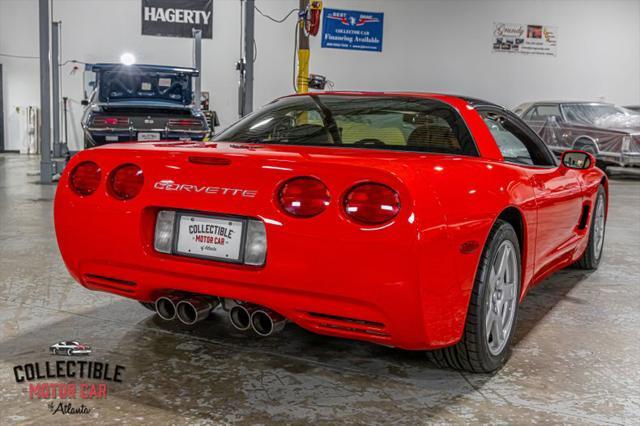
(513, 216)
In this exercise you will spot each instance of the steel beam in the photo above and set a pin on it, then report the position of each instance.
(197, 45)
(55, 92)
(46, 166)
(249, 18)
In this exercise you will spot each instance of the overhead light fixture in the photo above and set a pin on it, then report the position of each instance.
(128, 58)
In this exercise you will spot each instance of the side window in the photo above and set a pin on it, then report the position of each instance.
(546, 111)
(514, 144)
(531, 114)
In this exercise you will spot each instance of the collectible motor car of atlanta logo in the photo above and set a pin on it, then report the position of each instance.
(65, 381)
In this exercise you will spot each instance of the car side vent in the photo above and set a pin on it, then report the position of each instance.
(352, 325)
(582, 224)
(109, 284)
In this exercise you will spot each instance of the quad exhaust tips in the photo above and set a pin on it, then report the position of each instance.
(189, 311)
(243, 316)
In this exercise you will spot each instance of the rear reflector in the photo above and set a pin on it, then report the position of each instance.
(372, 203)
(255, 247)
(163, 238)
(126, 181)
(85, 178)
(303, 197)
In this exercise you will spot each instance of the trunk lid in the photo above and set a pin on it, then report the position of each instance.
(242, 179)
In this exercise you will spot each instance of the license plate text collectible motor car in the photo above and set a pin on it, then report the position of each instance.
(417, 221)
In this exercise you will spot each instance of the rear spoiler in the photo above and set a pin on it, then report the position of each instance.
(143, 68)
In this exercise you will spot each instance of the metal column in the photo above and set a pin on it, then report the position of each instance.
(197, 44)
(55, 79)
(46, 167)
(249, 14)
(302, 82)
(1, 114)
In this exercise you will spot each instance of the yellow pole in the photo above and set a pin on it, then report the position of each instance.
(303, 53)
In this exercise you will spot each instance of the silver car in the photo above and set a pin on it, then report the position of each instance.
(608, 131)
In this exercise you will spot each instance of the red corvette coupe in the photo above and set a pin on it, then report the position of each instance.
(417, 221)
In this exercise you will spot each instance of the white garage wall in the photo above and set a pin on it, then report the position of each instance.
(442, 46)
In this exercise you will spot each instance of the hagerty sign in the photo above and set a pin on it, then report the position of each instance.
(177, 18)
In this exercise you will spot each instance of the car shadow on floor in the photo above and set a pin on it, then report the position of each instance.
(169, 366)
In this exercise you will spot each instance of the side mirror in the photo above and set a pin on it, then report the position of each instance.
(579, 160)
(84, 102)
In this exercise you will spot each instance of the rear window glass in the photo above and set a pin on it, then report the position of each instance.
(130, 84)
(394, 123)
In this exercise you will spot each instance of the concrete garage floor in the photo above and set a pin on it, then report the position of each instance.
(576, 357)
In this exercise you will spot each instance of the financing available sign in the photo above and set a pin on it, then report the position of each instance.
(527, 39)
(352, 29)
(177, 18)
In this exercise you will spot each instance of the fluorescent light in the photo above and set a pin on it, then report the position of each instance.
(128, 58)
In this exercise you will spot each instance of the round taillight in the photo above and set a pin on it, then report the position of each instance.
(126, 181)
(303, 197)
(85, 178)
(372, 203)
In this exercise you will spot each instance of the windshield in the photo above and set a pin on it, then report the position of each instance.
(129, 84)
(384, 122)
(594, 113)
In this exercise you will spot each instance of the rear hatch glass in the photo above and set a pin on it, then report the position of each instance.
(378, 122)
(131, 84)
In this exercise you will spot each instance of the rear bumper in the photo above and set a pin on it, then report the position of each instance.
(318, 311)
(334, 289)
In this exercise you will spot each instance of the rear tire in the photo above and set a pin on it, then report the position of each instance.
(493, 309)
(590, 259)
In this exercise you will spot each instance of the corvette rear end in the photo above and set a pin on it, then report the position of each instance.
(146, 221)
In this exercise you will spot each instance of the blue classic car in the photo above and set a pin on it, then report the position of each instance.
(143, 103)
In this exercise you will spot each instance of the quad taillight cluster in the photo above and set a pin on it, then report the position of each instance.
(123, 183)
(368, 203)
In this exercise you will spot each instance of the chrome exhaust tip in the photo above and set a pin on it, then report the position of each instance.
(193, 310)
(265, 322)
(166, 307)
(240, 317)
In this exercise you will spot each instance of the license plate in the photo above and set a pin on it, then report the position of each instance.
(148, 136)
(210, 237)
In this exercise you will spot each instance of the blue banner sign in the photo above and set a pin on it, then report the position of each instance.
(352, 29)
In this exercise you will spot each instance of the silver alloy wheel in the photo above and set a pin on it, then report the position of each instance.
(501, 297)
(598, 227)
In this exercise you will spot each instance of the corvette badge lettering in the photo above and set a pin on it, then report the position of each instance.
(165, 185)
